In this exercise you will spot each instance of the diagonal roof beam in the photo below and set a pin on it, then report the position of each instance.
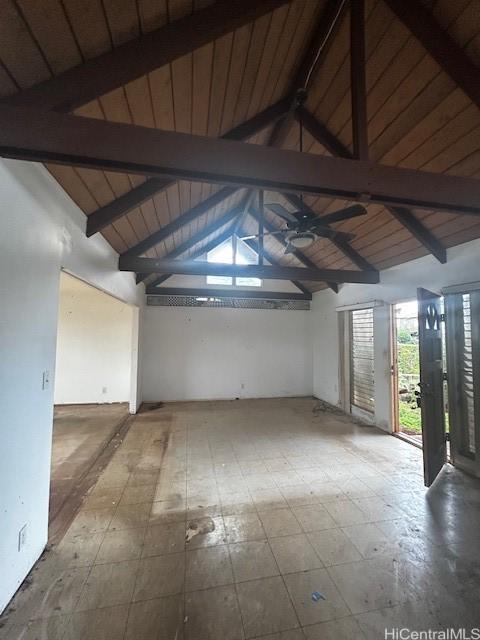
(114, 210)
(187, 217)
(44, 136)
(443, 49)
(198, 237)
(316, 50)
(196, 254)
(320, 132)
(301, 257)
(268, 256)
(138, 57)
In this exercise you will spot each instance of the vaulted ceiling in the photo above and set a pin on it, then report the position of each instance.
(419, 115)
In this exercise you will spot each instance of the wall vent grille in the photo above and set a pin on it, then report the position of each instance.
(228, 303)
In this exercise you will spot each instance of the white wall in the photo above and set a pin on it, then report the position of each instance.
(94, 345)
(42, 231)
(396, 285)
(208, 353)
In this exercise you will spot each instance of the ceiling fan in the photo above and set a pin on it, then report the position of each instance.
(303, 229)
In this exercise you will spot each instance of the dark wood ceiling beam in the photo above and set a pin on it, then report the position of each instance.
(138, 57)
(196, 254)
(314, 53)
(320, 132)
(440, 45)
(253, 244)
(301, 257)
(322, 135)
(189, 216)
(114, 210)
(211, 245)
(198, 237)
(44, 136)
(196, 268)
(228, 293)
(358, 79)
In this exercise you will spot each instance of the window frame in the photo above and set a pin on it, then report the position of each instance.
(233, 240)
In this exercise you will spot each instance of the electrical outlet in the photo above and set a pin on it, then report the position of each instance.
(45, 380)
(22, 537)
(104, 390)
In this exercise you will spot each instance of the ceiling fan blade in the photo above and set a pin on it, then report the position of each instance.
(341, 235)
(327, 232)
(267, 233)
(344, 214)
(279, 210)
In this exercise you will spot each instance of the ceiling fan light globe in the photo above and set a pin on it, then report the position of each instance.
(302, 240)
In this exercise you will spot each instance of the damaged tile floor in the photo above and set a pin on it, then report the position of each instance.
(258, 519)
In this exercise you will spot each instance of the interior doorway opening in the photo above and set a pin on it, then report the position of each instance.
(94, 393)
(408, 415)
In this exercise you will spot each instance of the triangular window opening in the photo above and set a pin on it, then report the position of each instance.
(233, 251)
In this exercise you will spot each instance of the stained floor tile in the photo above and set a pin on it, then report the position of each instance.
(333, 547)
(162, 619)
(108, 623)
(314, 518)
(208, 567)
(252, 560)
(310, 608)
(279, 522)
(125, 544)
(378, 582)
(213, 615)
(130, 516)
(108, 585)
(294, 553)
(266, 607)
(160, 576)
(242, 527)
(341, 629)
(164, 538)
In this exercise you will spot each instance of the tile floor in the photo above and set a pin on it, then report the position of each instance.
(278, 505)
(79, 434)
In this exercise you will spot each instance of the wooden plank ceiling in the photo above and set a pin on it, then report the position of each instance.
(417, 116)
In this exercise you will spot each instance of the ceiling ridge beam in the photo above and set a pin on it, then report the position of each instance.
(114, 210)
(301, 257)
(189, 216)
(198, 237)
(418, 230)
(204, 268)
(140, 56)
(358, 80)
(45, 136)
(229, 293)
(440, 45)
